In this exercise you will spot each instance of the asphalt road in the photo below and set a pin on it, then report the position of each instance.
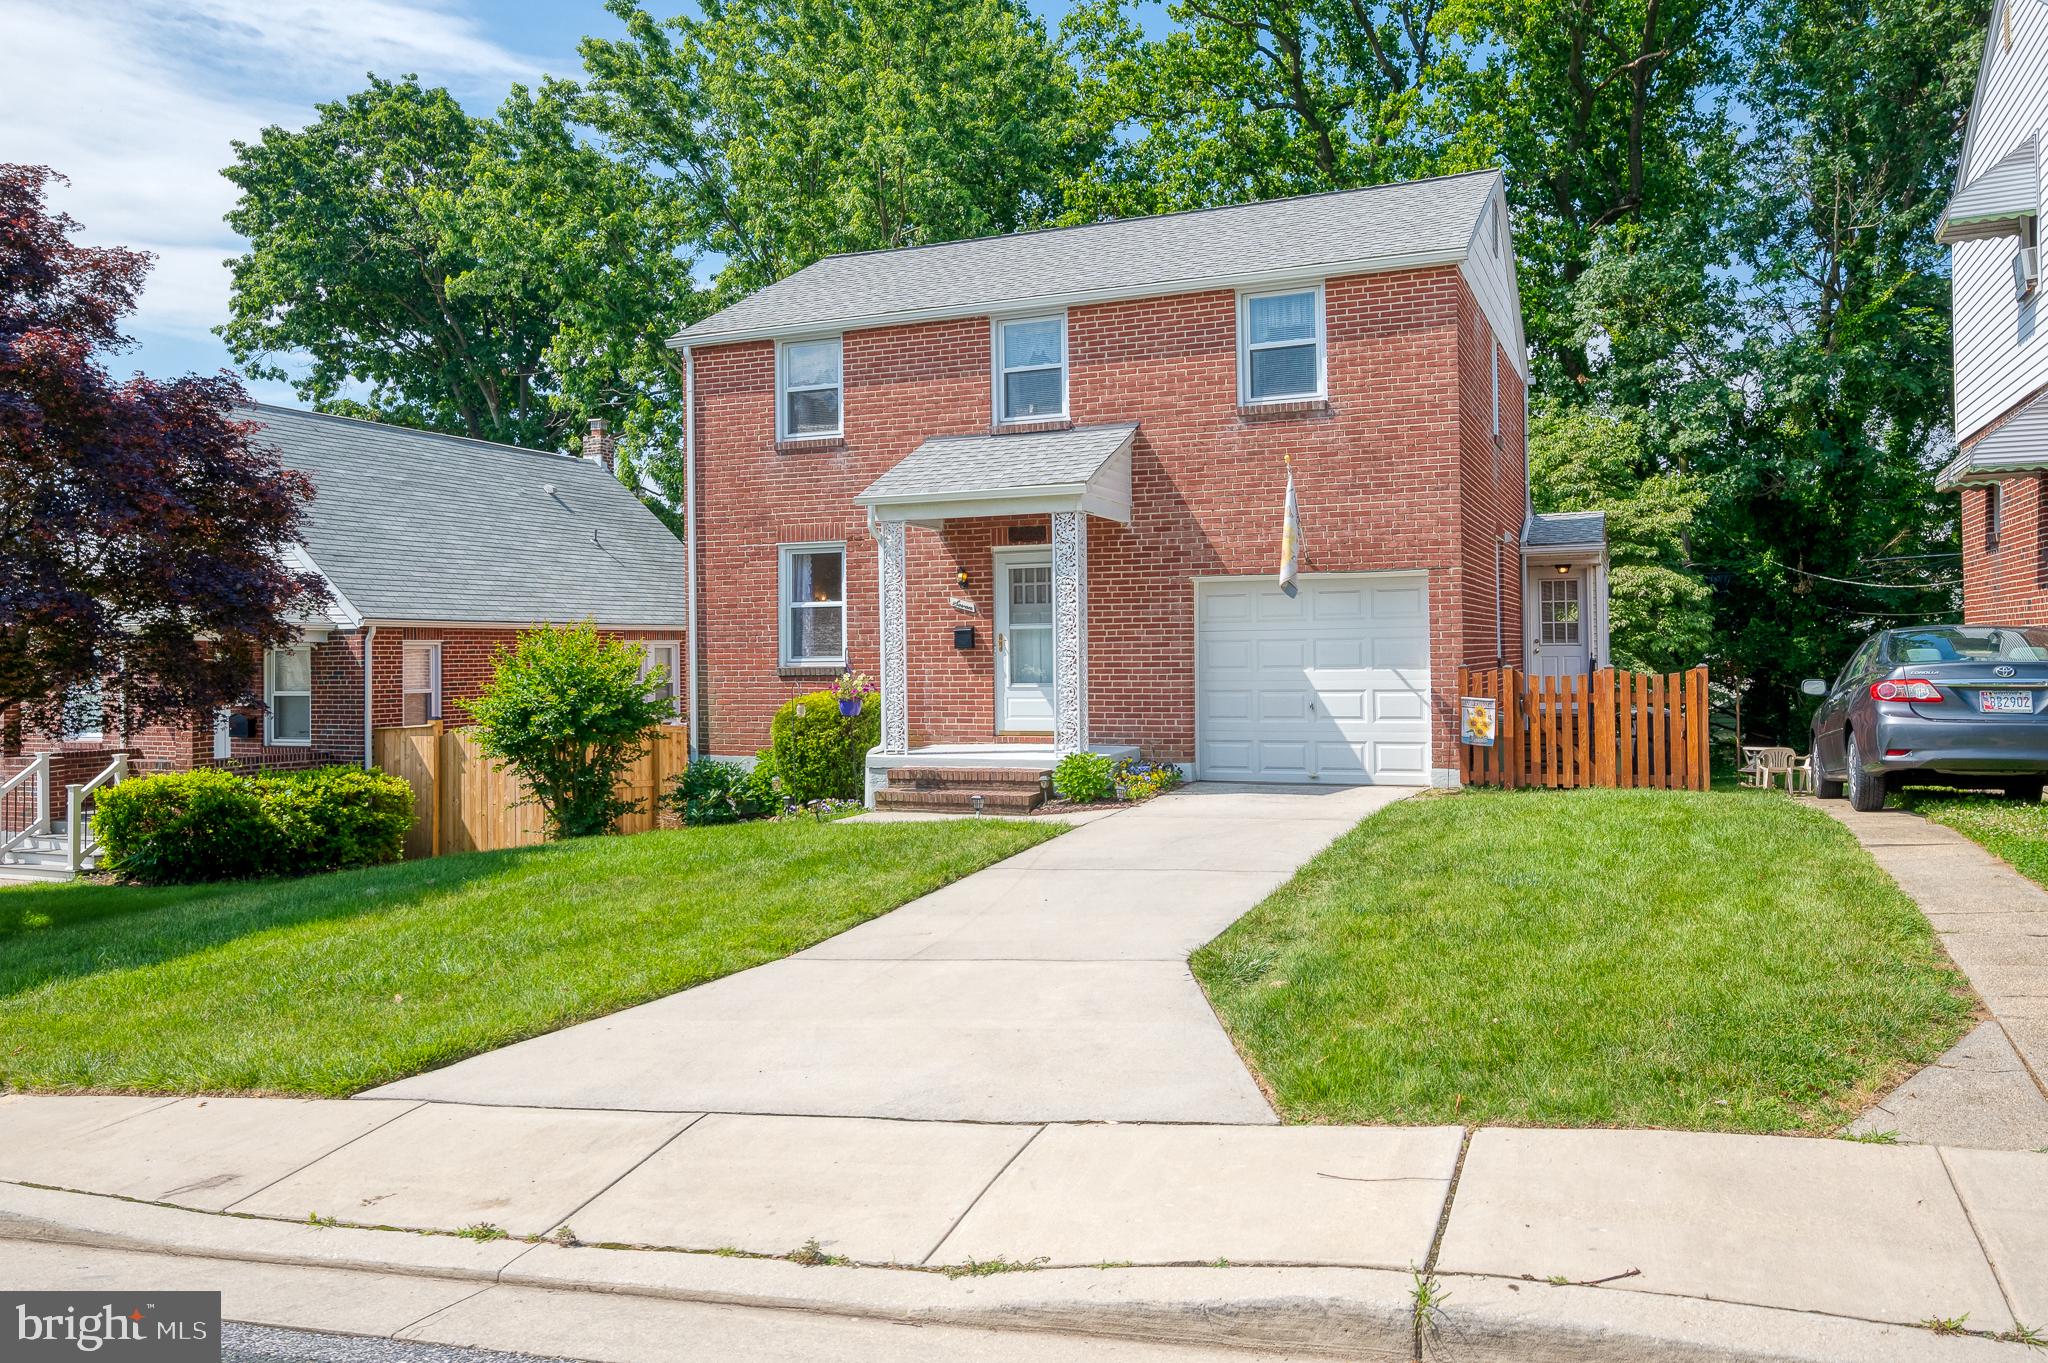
(262, 1344)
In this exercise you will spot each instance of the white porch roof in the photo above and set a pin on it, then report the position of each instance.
(1081, 468)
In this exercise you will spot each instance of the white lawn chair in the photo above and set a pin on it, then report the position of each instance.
(1769, 764)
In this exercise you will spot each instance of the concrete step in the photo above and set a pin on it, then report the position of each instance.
(975, 778)
(36, 870)
(1015, 799)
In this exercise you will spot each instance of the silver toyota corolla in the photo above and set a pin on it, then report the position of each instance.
(1952, 705)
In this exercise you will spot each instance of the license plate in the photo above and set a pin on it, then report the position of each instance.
(2006, 702)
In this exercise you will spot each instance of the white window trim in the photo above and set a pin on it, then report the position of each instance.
(433, 647)
(271, 693)
(782, 390)
(997, 368)
(675, 663)
(96, 734)
(784, 553)
(1245, 348)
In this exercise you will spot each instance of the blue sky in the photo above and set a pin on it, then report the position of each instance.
(137, 101)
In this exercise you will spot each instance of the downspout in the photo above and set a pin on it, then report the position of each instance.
(369, 638)
(692, 732)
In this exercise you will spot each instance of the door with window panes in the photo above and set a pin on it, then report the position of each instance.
(1024, 643)
(1560, 643)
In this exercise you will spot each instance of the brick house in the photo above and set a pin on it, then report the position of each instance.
(436, 551)
(2000, 327)
(1035, 485)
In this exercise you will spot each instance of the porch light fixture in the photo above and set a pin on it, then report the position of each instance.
(1563, 568)
(961, 578)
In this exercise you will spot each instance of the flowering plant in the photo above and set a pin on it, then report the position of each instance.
(852, 686)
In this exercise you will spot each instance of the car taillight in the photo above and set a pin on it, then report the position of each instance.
(1910, 689)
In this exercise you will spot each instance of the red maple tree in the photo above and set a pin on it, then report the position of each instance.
(142, 524)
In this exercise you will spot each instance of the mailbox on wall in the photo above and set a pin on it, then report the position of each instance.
(963, 637)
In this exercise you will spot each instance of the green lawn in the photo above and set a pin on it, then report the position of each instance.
(1587, 958)
(2013, 829)
(331, 984)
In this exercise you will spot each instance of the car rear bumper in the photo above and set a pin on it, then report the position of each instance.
(1976, 745)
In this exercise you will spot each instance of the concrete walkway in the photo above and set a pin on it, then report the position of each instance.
(1298, 1240)
(1989, 1089)
(1050, 987)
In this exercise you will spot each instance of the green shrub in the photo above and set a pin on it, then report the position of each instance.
(191, 826)
(709, 791)
(184, 827)
(1084, 778)
(821, 754)
(568, 710)
(331, 817)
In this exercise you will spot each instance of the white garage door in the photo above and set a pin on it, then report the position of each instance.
(1329, 685)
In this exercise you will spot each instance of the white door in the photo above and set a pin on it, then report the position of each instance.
(1329, 685)
(1024, 643)
(1559, 647)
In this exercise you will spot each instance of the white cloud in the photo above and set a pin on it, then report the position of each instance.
(138, 102)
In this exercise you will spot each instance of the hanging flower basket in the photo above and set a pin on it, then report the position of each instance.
(852, 689)
(850, 708)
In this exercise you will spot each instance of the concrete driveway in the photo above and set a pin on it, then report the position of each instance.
(1051, 987)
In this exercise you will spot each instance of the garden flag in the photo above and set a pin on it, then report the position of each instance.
(1290, 537)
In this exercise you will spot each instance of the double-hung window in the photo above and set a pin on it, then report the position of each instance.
(288, 691)
(811, 389)
(1031, 368)
(667, 686)
(813, 605)
(85, 714)
(1280, 346)
(420, 668)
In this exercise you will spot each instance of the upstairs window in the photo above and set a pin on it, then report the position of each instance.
(1280, 346)
(421, 684)
(1031, 369)
(288, 691)
(809, 387)
(813, 605)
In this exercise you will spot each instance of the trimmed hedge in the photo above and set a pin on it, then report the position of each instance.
(190, 826)
(821, 754)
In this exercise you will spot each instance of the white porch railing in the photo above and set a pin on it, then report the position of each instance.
(80, 841)
(25, 804)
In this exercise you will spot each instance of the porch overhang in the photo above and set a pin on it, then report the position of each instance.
(1997, 203)
(2019, 444)
(1083, 469)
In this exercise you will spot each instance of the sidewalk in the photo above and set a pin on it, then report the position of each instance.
(1991, 1089)
(1294, 1240)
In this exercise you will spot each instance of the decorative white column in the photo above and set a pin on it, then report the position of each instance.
(1070, 631)
(894, 597)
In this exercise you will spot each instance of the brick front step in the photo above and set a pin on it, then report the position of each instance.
(960, 799)
(977, 778)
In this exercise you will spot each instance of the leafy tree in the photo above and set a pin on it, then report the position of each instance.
(569, 711)
(141, 523)
(497, 278)
(790, 131)
(1660, 612)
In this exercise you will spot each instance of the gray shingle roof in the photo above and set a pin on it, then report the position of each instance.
(409, 525)
(992, 465)
(1556, 529)
(1418, 222)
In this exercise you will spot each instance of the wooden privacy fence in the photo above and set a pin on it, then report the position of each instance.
(1606, 728)
(464, 802)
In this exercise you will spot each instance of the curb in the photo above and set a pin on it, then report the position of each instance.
(1351, 1313)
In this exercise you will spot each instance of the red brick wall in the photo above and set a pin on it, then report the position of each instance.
(1398, 471)
(466, 663)
(2007, 585)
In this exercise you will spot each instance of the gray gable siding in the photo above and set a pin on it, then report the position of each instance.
(413, 526)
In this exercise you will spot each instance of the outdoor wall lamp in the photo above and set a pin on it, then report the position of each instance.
(961, 578)
(1563, 568)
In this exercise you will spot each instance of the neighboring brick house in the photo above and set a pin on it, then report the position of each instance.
(437, 550)
(1069, 451)
(2000, 326)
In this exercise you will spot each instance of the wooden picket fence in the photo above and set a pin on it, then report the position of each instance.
(1606, 728)
(464, 802)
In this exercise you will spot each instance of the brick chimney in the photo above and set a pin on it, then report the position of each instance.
(599, 443)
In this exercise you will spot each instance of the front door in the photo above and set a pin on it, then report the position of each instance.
(1560, 623)
(1024, 643)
